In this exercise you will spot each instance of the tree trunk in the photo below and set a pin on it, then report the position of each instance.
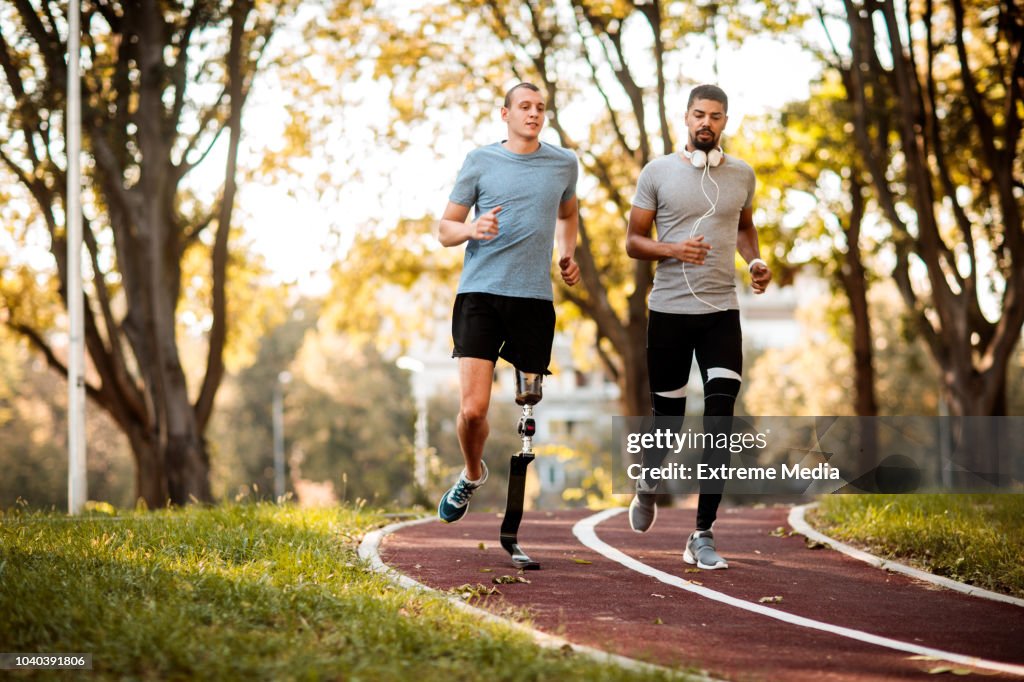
(185, 464)
(188, 465)
(854, 283)
(634, 384)
(188, 471)
(150, 473)
(853, 279)
(972, 394)
(973, 398)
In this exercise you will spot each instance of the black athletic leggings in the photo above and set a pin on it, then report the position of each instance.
(716, 340)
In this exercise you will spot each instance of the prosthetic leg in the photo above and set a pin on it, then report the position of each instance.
(528, 394)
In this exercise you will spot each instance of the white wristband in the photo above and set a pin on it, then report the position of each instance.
(750, 266)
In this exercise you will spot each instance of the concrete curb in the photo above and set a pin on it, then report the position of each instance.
(799, 523)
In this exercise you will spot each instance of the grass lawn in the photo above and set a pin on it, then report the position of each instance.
(976, 539)
(255, 592)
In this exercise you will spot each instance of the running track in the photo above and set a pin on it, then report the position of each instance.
(603, 586)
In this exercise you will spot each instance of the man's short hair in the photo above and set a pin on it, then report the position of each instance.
(712, 92)
(508, 95)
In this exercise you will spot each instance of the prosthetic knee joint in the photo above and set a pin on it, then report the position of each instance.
(528, 394)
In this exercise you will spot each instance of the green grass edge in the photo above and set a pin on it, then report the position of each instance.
(974, 539)
(255, 591)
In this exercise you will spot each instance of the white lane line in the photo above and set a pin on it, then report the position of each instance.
(369, 551)
(799, 523)
(585, 532)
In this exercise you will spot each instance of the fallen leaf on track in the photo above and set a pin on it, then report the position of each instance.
(468, 591)
(509, 579)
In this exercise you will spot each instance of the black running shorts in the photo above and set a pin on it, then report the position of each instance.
(489, 326)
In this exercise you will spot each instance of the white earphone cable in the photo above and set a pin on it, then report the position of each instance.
(707, 214)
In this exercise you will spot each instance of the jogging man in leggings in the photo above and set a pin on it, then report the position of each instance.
(701, 201)
(524, 191)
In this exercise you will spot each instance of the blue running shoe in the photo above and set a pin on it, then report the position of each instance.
(455, 503)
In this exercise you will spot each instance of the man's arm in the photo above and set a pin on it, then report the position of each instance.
(566, 229)
(640, 244)
(453, 229)
(747, 245)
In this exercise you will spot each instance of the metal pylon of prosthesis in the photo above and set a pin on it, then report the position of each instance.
(528, 394)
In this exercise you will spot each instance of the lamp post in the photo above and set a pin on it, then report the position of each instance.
(420, 440)
(277, 420)
(77, 492)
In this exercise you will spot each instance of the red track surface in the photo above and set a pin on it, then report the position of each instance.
(605, 605)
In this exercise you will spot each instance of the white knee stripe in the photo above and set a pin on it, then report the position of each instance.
(678, 393)
(723, 373)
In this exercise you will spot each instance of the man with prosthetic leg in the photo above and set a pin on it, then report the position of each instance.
(701, 201)
(524, 193)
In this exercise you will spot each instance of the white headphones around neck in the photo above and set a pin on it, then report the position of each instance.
(699, 158)
(704, 160)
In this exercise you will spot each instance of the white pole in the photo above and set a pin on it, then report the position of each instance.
(277, 423)
(421, 444)
(77, 492)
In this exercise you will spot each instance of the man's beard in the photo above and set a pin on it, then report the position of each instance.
(705, 145)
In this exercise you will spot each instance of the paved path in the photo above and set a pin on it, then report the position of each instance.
(670, 615)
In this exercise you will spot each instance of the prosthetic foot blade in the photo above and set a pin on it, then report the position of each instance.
(520, 559)
(514, 512)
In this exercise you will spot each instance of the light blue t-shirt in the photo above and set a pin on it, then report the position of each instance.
(529, 188)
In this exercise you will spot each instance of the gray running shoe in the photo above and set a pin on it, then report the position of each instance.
(643, 512)
(700, 550)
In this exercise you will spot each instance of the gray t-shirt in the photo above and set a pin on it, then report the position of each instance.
(671, 187)
(529, 188)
